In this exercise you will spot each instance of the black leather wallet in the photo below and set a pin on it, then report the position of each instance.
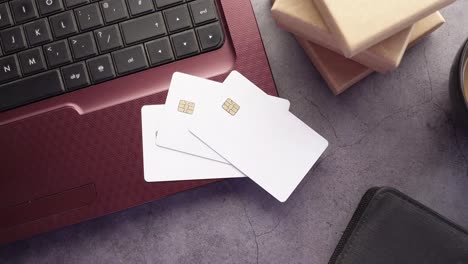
(390, 227)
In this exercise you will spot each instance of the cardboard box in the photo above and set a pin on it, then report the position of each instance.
(340, 73)
(360, 24)
(302, 18)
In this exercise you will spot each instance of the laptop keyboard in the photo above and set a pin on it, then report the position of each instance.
(51, 47)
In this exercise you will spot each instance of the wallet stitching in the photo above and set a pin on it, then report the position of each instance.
(365, 216)
(356, 231)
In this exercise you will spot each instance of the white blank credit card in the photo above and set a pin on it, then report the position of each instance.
(186, 95)
(162, 164)
(274, 148)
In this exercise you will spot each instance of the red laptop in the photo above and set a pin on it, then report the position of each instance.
(74, 75)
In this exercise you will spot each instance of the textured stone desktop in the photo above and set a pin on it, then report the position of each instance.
(392, 129)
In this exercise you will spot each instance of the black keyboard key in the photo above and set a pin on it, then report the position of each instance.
(101, 68)
(89, 17)
(5, 16)
(57, 53)
(83, 46)
(108, 38)
(210, 36)
(114, 10)
(143, 28)
(185, 44)
(38, 32)
(13, 39)
(159, 51)
(130, 60)
(32, 61)
(166, 3)
(23, 10)
(73, 3)
(63, 24)
(75, 76)
(138, 7)
(9, 69)
(47, 7)
(30, 89)
(178, 18)
(203, 11)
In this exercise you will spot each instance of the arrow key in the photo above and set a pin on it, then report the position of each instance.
(178, 18)
(75, 76)
(210, 36)
(159, 51)
(185, 44)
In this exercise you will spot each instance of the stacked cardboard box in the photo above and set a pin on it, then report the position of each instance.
(348, 40)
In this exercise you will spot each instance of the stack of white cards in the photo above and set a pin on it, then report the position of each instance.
(210, 130)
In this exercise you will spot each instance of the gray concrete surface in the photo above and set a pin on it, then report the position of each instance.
(392, 130)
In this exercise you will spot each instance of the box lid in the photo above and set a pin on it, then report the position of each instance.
(360, 24)
(302, 18)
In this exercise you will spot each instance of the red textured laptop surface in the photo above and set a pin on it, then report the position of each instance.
(78, 156)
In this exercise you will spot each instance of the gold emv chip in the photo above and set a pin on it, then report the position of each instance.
(231, 107)
(186, 107)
